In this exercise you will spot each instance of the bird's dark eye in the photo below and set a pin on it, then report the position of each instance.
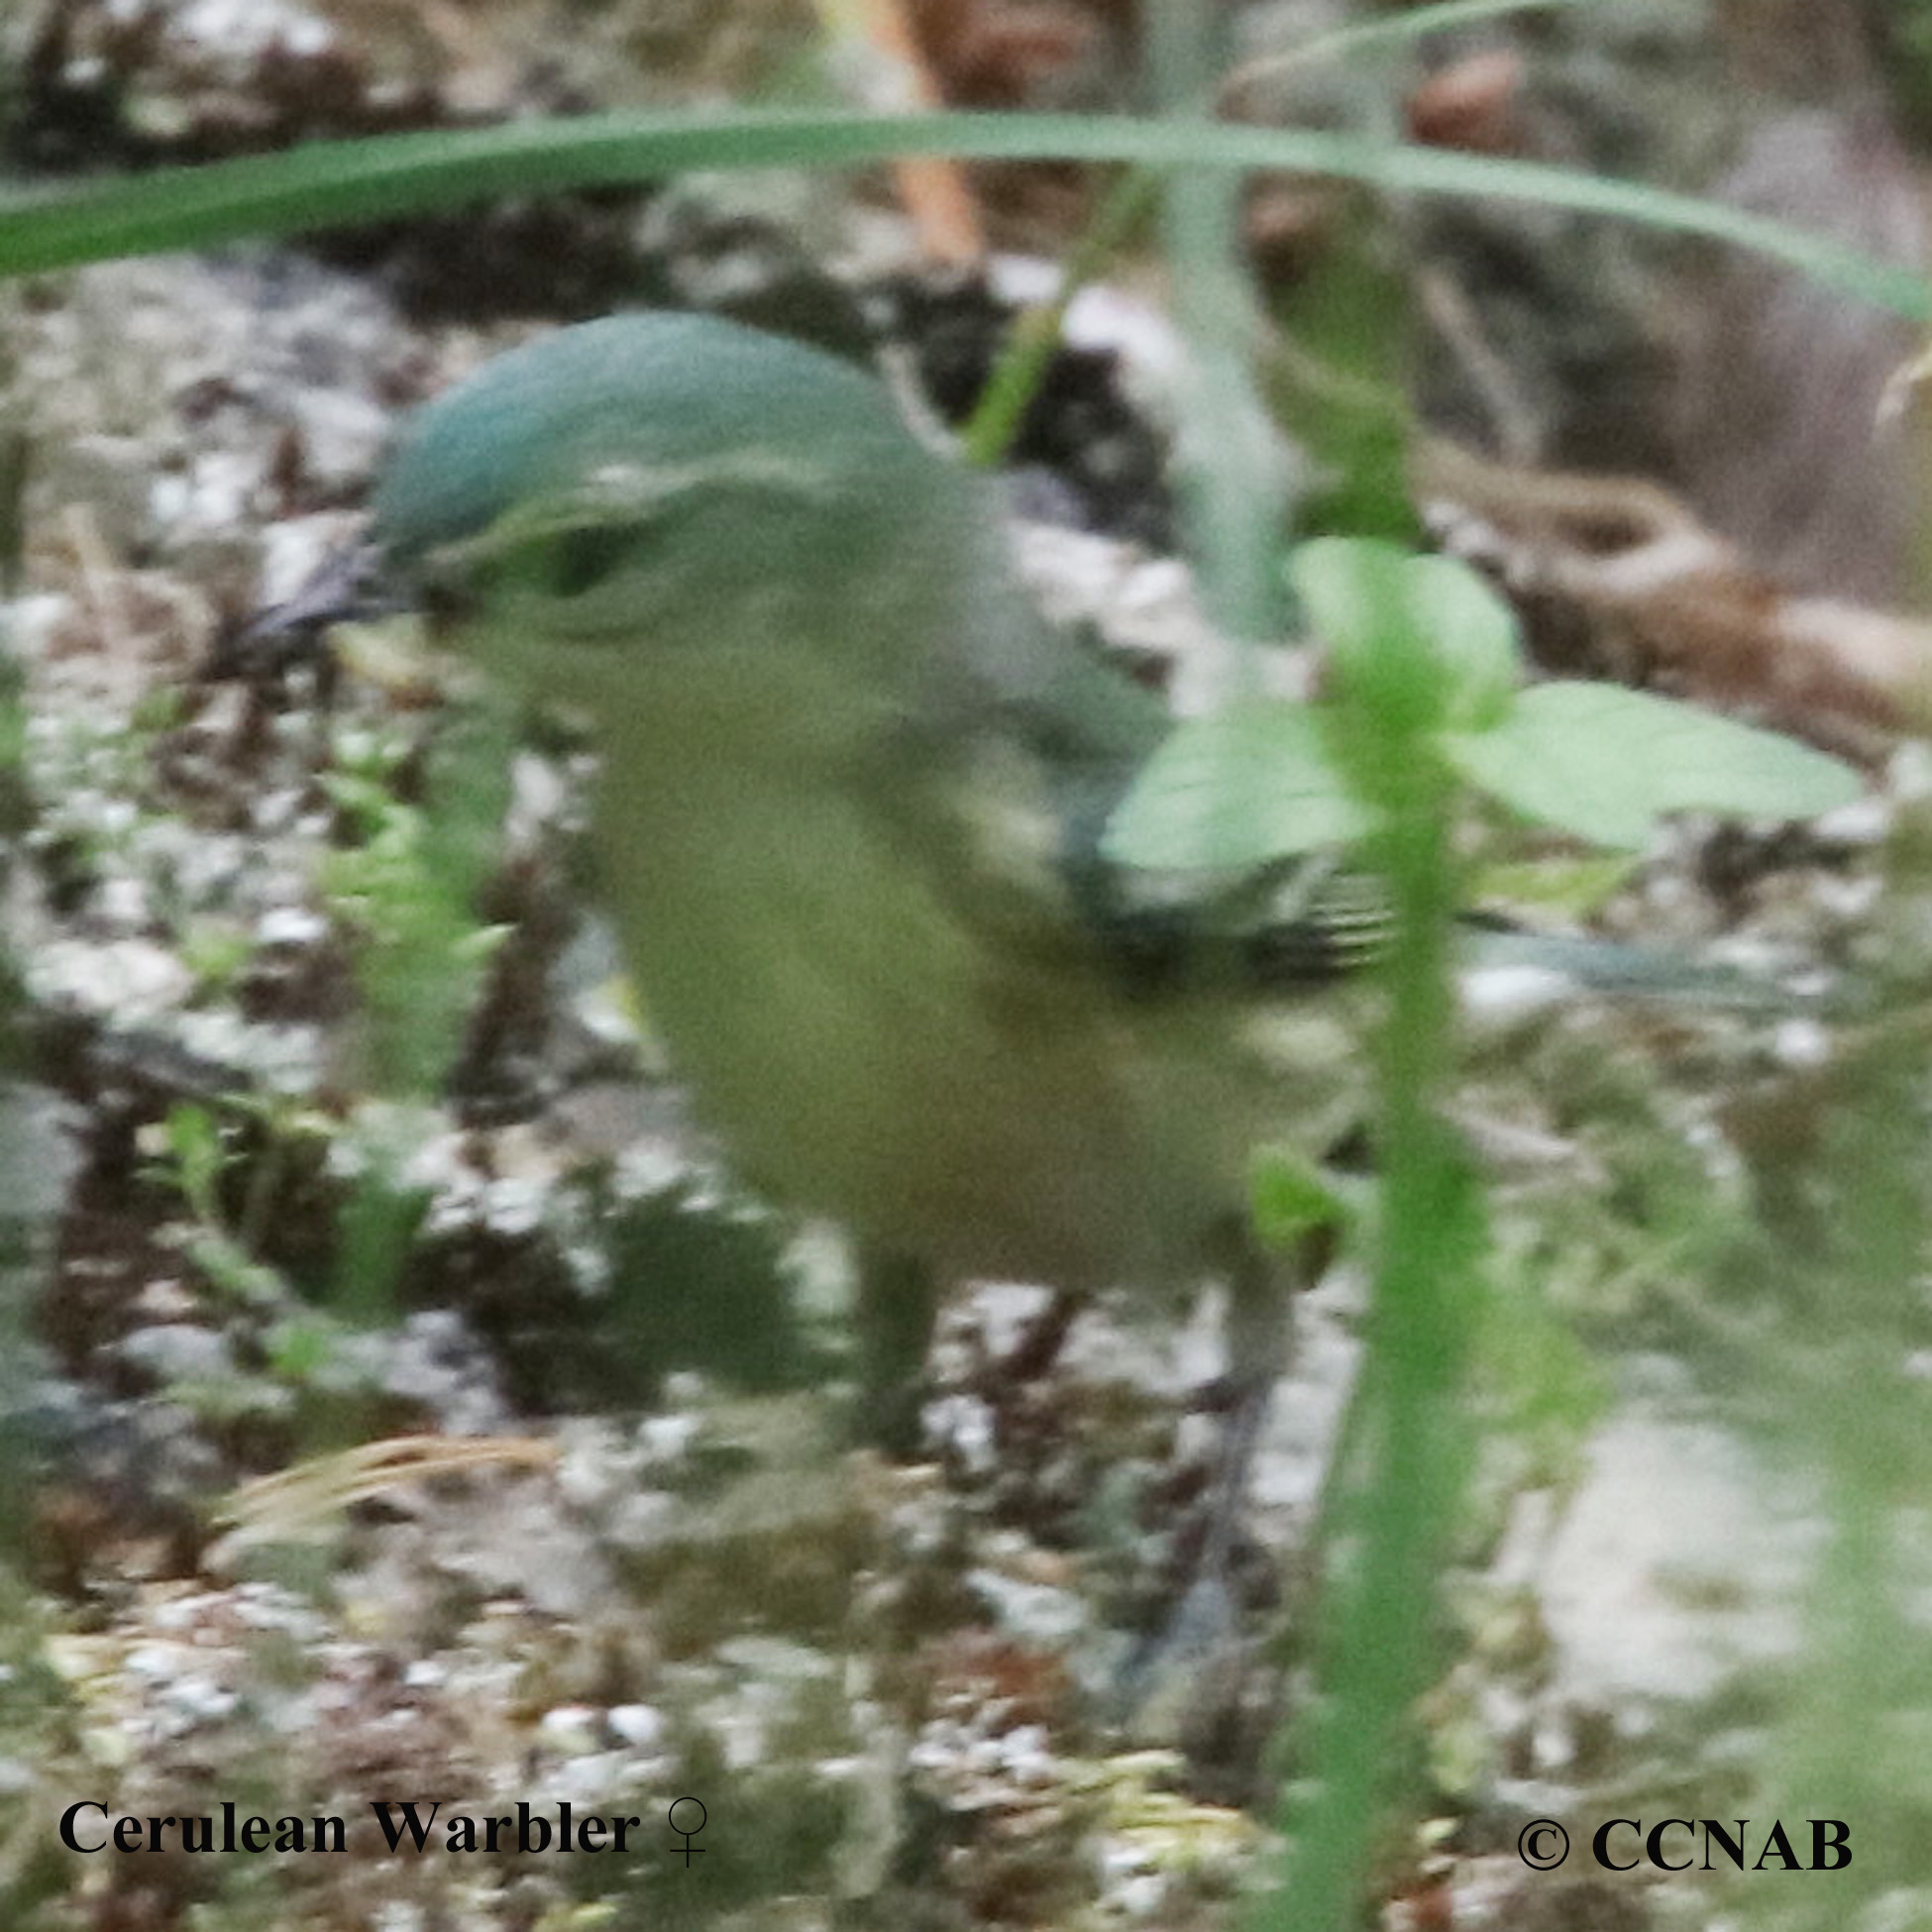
(576, 561)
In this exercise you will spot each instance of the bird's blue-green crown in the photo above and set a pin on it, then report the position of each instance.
(674, 388)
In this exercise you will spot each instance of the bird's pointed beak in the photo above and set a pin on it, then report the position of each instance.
(352, 584)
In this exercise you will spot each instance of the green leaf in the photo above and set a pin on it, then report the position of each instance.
(1249, 784)
(1365, 595)
(1290, 1196)
(1347, 583)
(1576, 887)
(1474, 636)
(1606, 764)
(194, 1141)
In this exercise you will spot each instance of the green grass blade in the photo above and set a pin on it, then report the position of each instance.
(334, 183)
(1365, 37)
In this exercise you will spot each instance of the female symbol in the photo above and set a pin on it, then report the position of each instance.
(686, 1832)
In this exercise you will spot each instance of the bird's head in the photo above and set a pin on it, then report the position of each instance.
(617, 494)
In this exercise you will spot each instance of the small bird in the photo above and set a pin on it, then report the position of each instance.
(849, 825)
(847, 821)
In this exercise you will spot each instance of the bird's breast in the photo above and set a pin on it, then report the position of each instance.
(873, 1049)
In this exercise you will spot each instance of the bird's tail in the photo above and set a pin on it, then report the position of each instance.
(1550, 966)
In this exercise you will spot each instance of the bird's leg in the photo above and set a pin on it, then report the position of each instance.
(897, 1299)
(1162, 1680)
(1261, 1343)
(1260, 1331)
